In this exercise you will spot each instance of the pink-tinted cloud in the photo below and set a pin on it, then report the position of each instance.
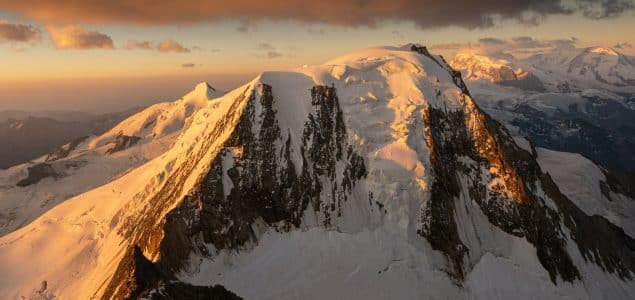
(76, 37)
(170, 45)
(425, 13)
(18, 32)
(165, 46)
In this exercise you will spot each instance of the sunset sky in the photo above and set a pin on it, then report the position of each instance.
(102, 57)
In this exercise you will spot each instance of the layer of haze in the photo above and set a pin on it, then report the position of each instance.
(101, 95)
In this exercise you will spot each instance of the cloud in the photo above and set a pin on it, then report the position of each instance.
(76, 37)
(623, 45)
(18, 32)
(267, 50)
(491, 41)
(396, 34)
(448, 46)
(170, 45)
(316, 31)
(424, 13)
(265, 46)
(134, 44)
(273, 54)
(165, 46)
(600, 9)
(188, 65)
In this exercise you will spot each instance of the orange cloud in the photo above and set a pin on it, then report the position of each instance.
(18, 32)
(170, 45)
(425, 13)
(76, 37)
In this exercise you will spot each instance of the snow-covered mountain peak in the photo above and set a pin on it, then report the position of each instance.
(473, 55)
(405, 76)
(375, 169)
(503, 71)
(604, 50)
(205, 90)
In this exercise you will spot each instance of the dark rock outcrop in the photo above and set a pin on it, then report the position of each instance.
(38, 172)
(122, 142)
(64, 150)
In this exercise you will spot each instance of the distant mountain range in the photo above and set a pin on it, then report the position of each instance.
(575, 100)
(557, 70)
(28, 135)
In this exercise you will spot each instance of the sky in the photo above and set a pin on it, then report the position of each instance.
(103, 56)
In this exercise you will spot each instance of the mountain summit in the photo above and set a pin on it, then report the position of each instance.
(376, 169)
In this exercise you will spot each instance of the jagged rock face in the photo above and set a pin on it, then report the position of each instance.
(506, 182)
(494, 184)
(253, 179)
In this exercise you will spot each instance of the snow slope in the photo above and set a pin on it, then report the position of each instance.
(581, 180)
(88, 164)
(366, 231)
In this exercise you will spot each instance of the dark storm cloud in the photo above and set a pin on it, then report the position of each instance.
(424, 13)
(18, 32)
(600, 9)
